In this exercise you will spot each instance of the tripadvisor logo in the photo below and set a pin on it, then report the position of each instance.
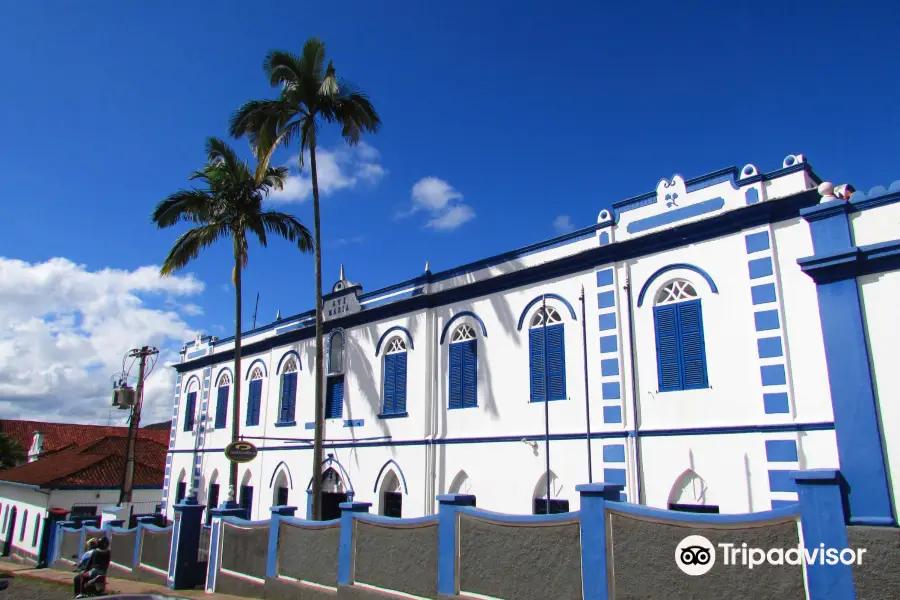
(696, 555)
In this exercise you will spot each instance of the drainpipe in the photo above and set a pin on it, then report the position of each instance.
(587, 395)
(639, 475)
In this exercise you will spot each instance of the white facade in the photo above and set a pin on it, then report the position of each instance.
(743, 399)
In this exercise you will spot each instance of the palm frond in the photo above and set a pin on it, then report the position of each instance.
(189, 244)
(356, 114)
(275, 178)
(288, 227)
(220, 153)
(313, 60)
(184, 205)
(283, 68)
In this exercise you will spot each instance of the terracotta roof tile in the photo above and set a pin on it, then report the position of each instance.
(58, 436)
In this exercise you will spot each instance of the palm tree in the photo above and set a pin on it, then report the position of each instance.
(11, 453)
(311, 95)
(230, 206)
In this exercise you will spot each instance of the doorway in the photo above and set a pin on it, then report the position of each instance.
(10, 531)
(333, 495)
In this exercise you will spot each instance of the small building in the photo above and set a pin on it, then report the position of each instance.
(695, 345)
(72, 472)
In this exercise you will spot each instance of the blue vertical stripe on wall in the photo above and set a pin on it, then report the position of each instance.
(772, 375)
(222, 407)
(607, 321)
(604, 277)
(763, 294)
(780, 481)
(606, 299)
(760, 267)
(609, 367)
(757, 242)
(614, 476)
(609, 343)
(253, 402)
(611, 390)
(776, 403)
(769, 347)
(781, 451)
(766, 320)
(612, 414)
(614, 453)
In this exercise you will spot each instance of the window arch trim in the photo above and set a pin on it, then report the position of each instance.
(390, 465)
(282, 467)
(390, 330)
(459, 315)
(673, 267)
(284, 357)
(187, 386)
(265, 370)
(537, 299)
(219, 375)
(328, 349)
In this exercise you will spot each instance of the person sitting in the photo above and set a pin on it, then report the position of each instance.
(91, 545)
(97, 566)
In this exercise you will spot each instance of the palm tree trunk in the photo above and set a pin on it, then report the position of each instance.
(237, 379)
(320, 351)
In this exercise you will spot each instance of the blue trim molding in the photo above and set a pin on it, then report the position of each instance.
(391, 330)
(275, 473)
(465, 313)
(672, 267)
(223, 370)
(538, 299)
(854, 261)
(250, 368)
(283, 357)
(856, 419)
(673, 216)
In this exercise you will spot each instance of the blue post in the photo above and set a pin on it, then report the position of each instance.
(272, 557)
(185, 543)
(309, 505)
(594, 568)
(449, 505)
(228, 508)
(823, 519)
(345, 549)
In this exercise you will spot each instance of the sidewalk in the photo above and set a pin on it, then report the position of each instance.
(113, 586)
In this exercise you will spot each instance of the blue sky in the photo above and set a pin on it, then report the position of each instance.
(529, 117)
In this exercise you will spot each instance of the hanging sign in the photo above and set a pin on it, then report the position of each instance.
(240, 452)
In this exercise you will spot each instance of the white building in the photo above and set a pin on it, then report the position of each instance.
(708, 373)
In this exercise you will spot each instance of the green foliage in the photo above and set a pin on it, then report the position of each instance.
(11, 453)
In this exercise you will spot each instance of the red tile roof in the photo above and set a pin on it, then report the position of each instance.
(58, 436)
(98, 463)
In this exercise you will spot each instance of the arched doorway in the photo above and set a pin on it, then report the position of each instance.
(690, 493)
(391, 496)
(280, 489)
(245, 499)
(333, 494)
(541, 505)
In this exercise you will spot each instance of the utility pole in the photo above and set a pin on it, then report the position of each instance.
(142, 354)
(255, 310)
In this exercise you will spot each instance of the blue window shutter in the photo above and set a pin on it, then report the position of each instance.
(470, 373)
(222, 407)
(253, 402)
(456, 356)
(693, 351)
(189, 409)
(556, 361)
(400, 385)
(334, 400)
(536, 360)
(288, 395)
(390, 390)
(668, 351)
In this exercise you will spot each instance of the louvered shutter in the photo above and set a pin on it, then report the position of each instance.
(390, 390)
(470, 374)
(400, 385)
(334, 401)
(556, 361)
(668, 351)
(536, 358)
(693, 352)
(190, 407)
(288, 397)
(253, 402)
(456, 356)
(222, 407)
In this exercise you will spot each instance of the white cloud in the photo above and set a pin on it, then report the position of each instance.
(64, 331)
(443, 203)
(339, 242)
(192, 310)
(342, 168)
(563, 224)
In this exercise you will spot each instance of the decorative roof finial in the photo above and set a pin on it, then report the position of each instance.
(278, 315)
(428, 266)
(341, 278)
(844, 191)
(826, 190)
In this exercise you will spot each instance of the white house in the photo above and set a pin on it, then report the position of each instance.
(680, 341)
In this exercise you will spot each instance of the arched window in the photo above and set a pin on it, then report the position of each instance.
(24, 524)
(394, 377)
(680, 348)
(553, 505)
(246, 496)
(280, 490)
(463, 367)
(334, 395)
(391, 496)
(547, 355)
(181, 488)
(37, 528)
(288, 391)
(254, 397)
(222, 400)
(190, 407)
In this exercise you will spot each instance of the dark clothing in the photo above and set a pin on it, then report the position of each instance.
(97, 565)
